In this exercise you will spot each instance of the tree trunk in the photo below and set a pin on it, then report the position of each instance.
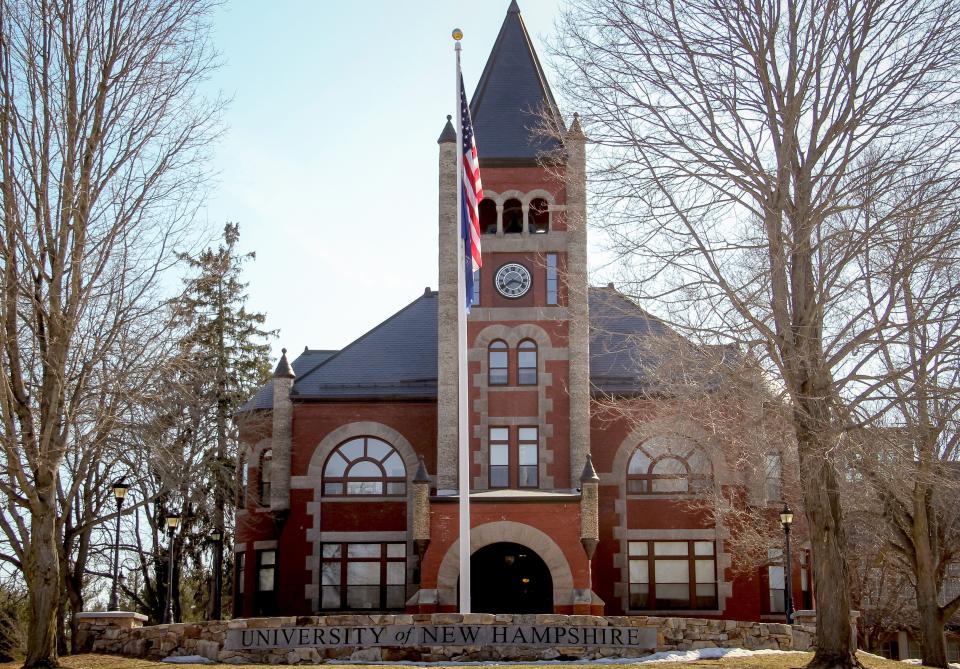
(43, 578)
(932, 640)
(831, 581)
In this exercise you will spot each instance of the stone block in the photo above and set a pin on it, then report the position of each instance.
(366, 655)
(208, 649)
(447, 618)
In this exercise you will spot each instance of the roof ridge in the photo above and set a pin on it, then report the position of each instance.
(364, 335)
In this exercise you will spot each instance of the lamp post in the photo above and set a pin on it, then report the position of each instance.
(172, 522)
(217, 537)
(119, 492)
(786, 520)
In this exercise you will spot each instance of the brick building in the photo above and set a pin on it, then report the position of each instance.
(350, 467)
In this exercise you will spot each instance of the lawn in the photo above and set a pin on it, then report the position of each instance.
(785, 661)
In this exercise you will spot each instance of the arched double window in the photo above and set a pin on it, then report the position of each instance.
(663, 465)
(266, 476)
(497, 360)
(364, 466)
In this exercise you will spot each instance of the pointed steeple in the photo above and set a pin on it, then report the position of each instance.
(421, 476)
(284, 370)
(511, 96)
(589, 473)
(449, 134)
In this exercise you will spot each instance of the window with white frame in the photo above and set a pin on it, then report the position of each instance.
(499, 457)
(363, 576)
(528, 448)
(672, 575)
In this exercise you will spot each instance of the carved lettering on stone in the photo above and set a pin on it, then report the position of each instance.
(643, 638)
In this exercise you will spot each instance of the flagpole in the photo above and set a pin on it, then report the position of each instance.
(463, 423)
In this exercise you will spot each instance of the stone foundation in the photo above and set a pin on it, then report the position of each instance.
(122, 633)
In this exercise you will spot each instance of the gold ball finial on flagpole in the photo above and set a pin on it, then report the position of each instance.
(457, 34)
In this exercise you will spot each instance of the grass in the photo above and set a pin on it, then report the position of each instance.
(786, 661)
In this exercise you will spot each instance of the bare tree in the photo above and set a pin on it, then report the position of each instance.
(729, 139)
(910, 443)
(102, 136)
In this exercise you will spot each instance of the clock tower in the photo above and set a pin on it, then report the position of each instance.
(528, 338)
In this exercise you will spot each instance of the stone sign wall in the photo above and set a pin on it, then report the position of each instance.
(435, 637)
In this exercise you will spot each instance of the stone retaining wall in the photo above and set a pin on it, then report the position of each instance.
(123, 634)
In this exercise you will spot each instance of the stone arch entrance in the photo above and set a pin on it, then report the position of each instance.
(508, 531)
(510, 578)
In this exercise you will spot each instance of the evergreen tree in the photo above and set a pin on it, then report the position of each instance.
(227, 351)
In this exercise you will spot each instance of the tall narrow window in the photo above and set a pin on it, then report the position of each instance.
(240, 575)
(539, 216)
(488, 216)
(672, 575)
(776, 581)
(552, 278)
(528, 456)
(772, 487)
(527, 363)
(242, 483)
(499, 457)
(266, 476)
(512, 217)
(370, 576)
(365, 466)
(497, 363)
(241, 572)
(266, 571)
(806, 593)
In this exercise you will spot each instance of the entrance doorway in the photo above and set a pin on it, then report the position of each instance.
(509, 578)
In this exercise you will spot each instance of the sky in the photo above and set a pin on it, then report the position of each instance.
(329, 159)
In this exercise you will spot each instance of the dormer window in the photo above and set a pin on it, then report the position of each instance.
(488, 216)
(512, 217)
(539, 217)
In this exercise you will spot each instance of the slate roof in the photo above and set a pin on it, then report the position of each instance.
(398, 358)
(307, 360)
(509, 98)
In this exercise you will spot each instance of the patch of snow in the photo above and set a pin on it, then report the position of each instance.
(913, 660)
(188, 659)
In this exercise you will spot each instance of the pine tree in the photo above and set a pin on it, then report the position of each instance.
(227, 348)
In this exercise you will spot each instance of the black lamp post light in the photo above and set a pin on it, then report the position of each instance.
(217, 537)
(172, 523)
(119, 492)
(786, 520)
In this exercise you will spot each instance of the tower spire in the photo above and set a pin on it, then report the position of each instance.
(513, 100)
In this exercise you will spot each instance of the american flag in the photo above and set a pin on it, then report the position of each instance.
(469, 199)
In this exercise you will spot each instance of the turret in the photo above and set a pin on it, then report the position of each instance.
(447, 314)
(283, 378)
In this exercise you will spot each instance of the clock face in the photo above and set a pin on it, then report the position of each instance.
(513, 280)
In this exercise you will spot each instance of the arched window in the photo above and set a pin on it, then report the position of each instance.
(662, 465)
(488, 216)
(512, 217)
(539, 216)
(364, 466)
(527, 363)
(497, 363)
(266, 476)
